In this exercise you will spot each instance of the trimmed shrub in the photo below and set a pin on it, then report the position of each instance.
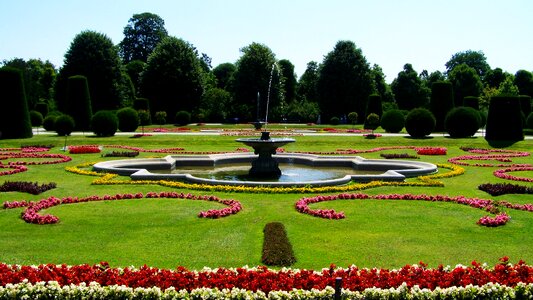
(441, 102)
(49, 123)
(419, 123)
(352, 117)
(471, 101)
(79, 102)
(104, 123)
(42, 107)
(393, 121)
(141, 104)
(504, 121)
(334, 121)
(183, 117)
(462, 122)
(529, 121)
(36, 118)
(372, 122)
(64, 125)
(161, 117)
(525, 104)
(373, 105)
(128, 119)
(277, 249)
(15, 121)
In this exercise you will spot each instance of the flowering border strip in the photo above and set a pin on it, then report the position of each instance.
(491, 206)
(60, 158)
(15, 169)
(502, 173)
(427, 180)
(31, 213)
(26, 187)
(484, 155)
(267, 280)
(84, 149)
(498, 189)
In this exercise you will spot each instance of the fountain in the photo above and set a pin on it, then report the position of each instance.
(311, 170)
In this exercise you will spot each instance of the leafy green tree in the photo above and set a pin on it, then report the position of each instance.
(141, 36)
(380, 86)
(409, 90)
(15, 121)
(465, 82)
(306, 89)
(38, 77)
(524, 82)
(507, 88)
(289, 80)
(473, 59)
(429, 78)
(252, 76)
(495, 77)
(345, 81)
(224, 74)
(94, 56)
(215, 104)
(172, 79)
(134, 70)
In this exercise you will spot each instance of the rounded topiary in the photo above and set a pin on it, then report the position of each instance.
(183, 117)
(372, 122)
(393, 121)
(334, 121)
(419, 123)
(49, 123)
(64, 125)
(352, 117)
(462, 122)
(36, 118)
(104, 123)
(128, 119)
(529, 121)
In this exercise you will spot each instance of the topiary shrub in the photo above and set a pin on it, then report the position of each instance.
(161, 117)
(441, 102)
(393, 121)
(42, 107)
(277, 249)
(504, 120)
(462, 122)
(104, 123)
(525, 104)
(36, 118)
(334, 121)
(128, 119)
(529, 121)
(372, 122)
(49, 123)
(183, 117)
(141, 104)
(64, 125)
(374, 106)
(352, 117)
(419, 123)
(15, 120)
(471, 101)
(79, 102)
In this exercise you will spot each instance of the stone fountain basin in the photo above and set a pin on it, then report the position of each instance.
(393, 170)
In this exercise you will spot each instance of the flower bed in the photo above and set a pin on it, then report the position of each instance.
(83, 149)
(31, 213)
(498, 189)
(121, 154)
(266, 280)
(398, 156)
(502, 156)
(488, 205)
(502, 173)
(26, 187)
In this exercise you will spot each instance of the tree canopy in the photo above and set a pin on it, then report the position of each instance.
(466, 82)
(141, 36)
(224, 75)
(473, 59)
(307, 83)
(408, 89)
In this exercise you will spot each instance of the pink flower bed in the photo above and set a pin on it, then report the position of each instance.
(266, 280)
(83, 149)
(502, 173)
(302, 205)
(502, 156)
(31, 214)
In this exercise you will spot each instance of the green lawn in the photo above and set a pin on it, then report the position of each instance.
(167, 232)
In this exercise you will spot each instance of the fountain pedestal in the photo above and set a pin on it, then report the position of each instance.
(265, 166)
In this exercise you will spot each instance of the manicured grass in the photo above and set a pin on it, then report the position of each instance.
(168, 233)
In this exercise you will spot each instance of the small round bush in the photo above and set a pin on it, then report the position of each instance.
(372, 121)
(36, 118)
(64, 125)
(352, 117)
(393, 121)
(49, 123)
(420, 122)
(462, 122)
(334, 121)
(183, 117)
(128, 119)
(104, 123)
(529, 121)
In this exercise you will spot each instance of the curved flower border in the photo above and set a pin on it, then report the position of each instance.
(503, 156)
(31, 213)
(502, 173)
(500, 218)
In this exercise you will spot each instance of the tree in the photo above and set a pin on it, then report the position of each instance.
(15, 121)
(288, 79)
(429, 78)
(252, 76)
(224, 73)
(507, 88)
(380, 86)
(473, 59)
(307, 83)
(141, 36)
(524, 82)
(94, 56)
(495, 77)
(409, 90)
(465, 82)
(344, 82)
(215, 105)
(172, 79)
(134, 70)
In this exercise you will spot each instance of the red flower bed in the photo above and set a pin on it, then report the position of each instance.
(83, 149)
(266, 280)
(31, 214)
(26, 187)
(431, 151)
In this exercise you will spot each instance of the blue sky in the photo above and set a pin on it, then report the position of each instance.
(389, 32)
